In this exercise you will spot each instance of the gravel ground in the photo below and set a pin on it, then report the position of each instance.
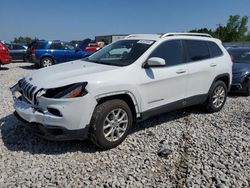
(204, 150)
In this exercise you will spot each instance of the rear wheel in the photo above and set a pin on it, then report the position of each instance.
(217, 97)
(46, 62)
(110, 123)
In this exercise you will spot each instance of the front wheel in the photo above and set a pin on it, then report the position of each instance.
(46, 62)
(110, 123)
(217, 97)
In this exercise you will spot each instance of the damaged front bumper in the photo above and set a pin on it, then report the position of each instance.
(55, 119)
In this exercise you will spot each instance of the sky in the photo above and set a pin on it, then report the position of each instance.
(78, 19)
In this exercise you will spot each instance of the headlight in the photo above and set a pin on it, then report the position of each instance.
(70, 91)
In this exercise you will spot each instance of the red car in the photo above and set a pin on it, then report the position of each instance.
(5, 57)
(94, 47)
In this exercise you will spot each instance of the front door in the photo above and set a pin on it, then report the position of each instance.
(165, 86)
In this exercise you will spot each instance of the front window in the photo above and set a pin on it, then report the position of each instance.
(121, 53)
(170, 51)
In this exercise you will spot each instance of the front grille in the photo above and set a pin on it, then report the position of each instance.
(28, 91)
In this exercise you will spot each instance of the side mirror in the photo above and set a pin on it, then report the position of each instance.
(154, 62)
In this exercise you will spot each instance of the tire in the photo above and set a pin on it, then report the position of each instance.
(46, 62)
(217, 91)
(104, 114)
(247, 93)
(25, 59)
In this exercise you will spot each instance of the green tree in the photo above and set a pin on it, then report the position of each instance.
(235, 30)
(248, 36)
(202, 30)
(220, 32)
(22, 39)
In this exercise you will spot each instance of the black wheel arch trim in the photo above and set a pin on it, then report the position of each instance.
(221, 76)
(122, 92)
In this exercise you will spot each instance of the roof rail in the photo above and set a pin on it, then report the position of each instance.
(142, 35)
(186, 34)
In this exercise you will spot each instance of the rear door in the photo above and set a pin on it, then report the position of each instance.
(201, 68)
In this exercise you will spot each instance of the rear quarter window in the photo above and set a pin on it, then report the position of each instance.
(40, 45)
(56, 46)
(215, 50)
(197, 50)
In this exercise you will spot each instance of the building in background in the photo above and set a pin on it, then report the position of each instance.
(107, 39)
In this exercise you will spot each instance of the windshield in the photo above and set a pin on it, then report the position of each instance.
(240, 56)
(121, 53)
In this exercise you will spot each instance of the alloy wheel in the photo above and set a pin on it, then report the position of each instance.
(219, 96)
(115, 124)
(47, 62)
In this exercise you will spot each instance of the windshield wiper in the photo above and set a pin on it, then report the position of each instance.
(87, 59)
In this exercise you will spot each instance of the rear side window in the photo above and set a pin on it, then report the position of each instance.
(56, 46)
(215, 50)
(17, 47)
(9, 46)
(197, 50)
(170, 51)
(39, 45)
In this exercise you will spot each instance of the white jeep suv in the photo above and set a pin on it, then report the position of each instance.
(100, 97)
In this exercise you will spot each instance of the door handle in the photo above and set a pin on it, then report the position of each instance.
(213, 65)
(180, 71)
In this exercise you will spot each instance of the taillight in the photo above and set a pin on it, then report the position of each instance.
(4, 47)
(33, 51)
(88, 49)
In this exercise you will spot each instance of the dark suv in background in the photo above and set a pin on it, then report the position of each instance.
(241, 69)
(17, 51)
(46, 53)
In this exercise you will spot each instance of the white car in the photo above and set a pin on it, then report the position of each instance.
(102, 96)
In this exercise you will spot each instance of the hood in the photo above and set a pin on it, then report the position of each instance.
(66, 73)
(241, 67)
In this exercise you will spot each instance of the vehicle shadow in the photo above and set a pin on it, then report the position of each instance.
(236, 95)
(4, 68)
(162, 118)
(28, 67)
(17, 138)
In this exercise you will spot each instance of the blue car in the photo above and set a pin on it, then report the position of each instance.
(46, 53)
(241, 69)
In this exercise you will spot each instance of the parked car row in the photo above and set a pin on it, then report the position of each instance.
(46, 53)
